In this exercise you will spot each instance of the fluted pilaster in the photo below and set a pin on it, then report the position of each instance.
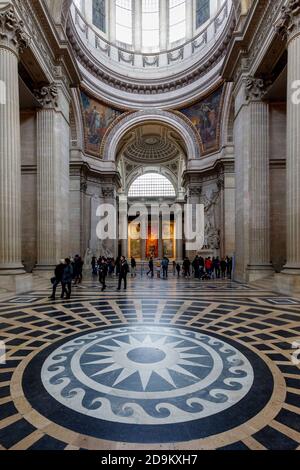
(259, 185)
(289, 28)
(46, 188)
(12, 40)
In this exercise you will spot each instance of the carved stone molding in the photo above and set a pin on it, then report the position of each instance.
(12, 34)
(289, 23)
(109, 193)
(255, 88)
(195, 191)
(48, 96)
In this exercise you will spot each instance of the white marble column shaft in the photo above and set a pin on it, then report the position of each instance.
(293, 159)
(259, 185)
(46, 188)
(10, 164)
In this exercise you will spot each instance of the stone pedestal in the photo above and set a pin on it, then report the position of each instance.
(287, 284)
(12, 41)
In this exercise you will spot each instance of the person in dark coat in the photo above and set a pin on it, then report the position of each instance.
(67, 279)
(151, 268)
(103, 270)
(57, 279)
(124, 270)
(94, 266)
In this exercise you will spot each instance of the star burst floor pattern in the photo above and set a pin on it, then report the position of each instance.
(150, 356)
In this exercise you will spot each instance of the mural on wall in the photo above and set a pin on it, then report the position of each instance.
(206, 117)
(97, 118)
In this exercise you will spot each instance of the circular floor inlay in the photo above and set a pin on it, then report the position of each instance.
(148, 377)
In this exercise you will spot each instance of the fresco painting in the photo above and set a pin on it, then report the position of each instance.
(206, 117)
(97, 118)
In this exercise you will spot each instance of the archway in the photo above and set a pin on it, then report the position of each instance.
(173, 120)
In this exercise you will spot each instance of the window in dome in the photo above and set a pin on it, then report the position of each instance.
(99, 14)
(124, 21)
(150, 24)
(177, 20)
(152, 185)
(202, 12)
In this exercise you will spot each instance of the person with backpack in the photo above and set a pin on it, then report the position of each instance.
(124, 270)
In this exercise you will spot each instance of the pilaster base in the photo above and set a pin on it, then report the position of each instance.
(287, 284)
(19, 284)
(256, 272)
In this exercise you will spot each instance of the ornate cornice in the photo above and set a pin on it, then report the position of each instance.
(289, 23)
(12, 34)
(47, 96)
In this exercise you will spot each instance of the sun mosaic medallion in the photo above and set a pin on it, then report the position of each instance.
(130, 383)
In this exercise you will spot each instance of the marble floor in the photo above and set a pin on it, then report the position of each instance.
(177, 364)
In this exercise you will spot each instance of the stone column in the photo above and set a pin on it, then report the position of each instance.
(111, 6)
(137, 23)
(53, 176)
(160, 237)
(289, 27)
(123, 224)
(12, 41)
(251, 139)
(259, 185)
(164, 25)
(190, 20)
(46, 197)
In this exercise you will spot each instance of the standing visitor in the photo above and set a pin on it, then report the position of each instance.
(178, 269)
(174, 268)
(94, 266)
(133, 267)
(223, 268)
(216, 268)
(196, 266)
(151, 267)
(208, 266)
(187, 267)
(165, 267)
(103, 270)
(67, 279)
(124, 270)
(57, 279)
(158, 269)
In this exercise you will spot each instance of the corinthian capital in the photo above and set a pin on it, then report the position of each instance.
(255, 88)
(12, 34)
(47, 96)
(289, 23)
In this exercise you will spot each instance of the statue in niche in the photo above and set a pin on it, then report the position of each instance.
(103, 250)
(212, 233)
(88, 257)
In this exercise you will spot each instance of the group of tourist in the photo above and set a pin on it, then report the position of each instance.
(68, 271)
(207, 268)
(200, 268)
(104, 267)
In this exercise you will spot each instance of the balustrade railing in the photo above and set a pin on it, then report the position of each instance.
(121, 55)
